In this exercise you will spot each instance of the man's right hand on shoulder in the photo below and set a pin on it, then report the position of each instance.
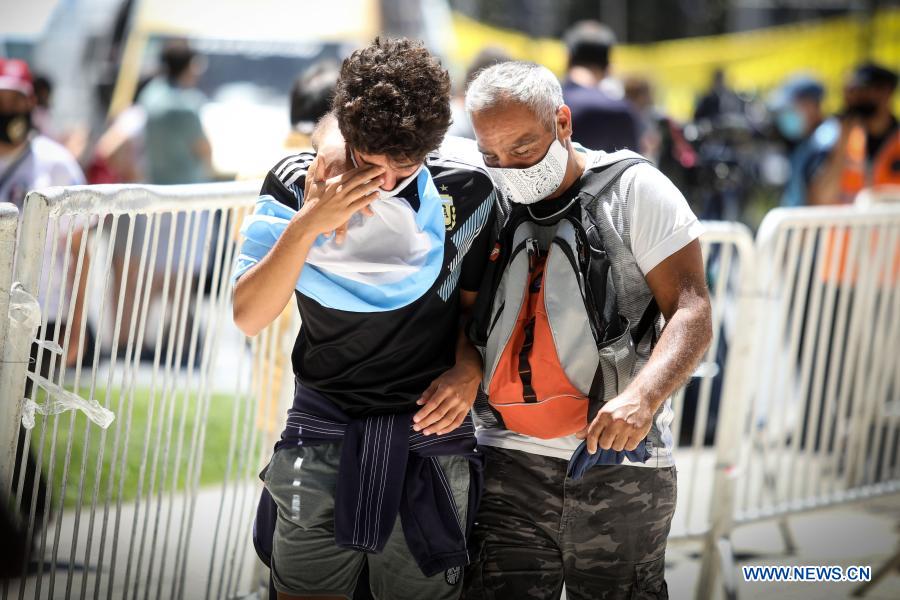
(328, 204)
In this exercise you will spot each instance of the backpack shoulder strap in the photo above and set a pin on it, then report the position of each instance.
(595, 187)
(479, 318)
(647, 323)
(603, 177)
(607, 172)
(598, 263)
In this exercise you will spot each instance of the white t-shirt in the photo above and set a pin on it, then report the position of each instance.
(646, 221)
(47, 164)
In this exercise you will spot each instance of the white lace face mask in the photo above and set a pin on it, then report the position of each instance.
(534, 183)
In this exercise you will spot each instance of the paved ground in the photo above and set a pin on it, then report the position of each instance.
(858, 534)
(232, 555)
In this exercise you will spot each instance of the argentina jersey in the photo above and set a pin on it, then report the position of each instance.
(385, 261)
(380, 312)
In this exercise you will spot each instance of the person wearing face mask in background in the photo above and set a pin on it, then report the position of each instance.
(28, 161)
(867, 152)
(797, 106)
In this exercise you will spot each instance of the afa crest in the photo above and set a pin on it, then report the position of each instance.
(449, 211)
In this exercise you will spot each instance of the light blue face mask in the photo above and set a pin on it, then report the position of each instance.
(791, 124)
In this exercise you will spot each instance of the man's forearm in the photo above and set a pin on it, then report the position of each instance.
(680, 347)
(825, 187)
(467, 356)
(263, 291)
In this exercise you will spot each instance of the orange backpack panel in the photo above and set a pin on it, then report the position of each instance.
(529, 388)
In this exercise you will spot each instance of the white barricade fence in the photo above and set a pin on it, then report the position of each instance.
(884, 194)
(729, 262)
(9, 220)
(147, 415)
(145, 258)
(811, 410)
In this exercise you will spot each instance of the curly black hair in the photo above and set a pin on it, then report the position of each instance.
(393, 98)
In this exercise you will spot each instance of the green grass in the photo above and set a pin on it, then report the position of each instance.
(215, 451)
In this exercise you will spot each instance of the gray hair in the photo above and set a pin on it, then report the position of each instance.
(532, 85)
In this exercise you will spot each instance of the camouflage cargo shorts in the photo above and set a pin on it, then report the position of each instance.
(602, 537)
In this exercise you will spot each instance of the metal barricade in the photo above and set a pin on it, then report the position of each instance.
(813, 410)
(885, 194)
(9, 221)
(889, 194)
(730, 265)
(137, 477)
(149, 414)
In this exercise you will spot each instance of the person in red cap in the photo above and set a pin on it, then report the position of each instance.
(867, 152)
(16, 104)
(29, 161)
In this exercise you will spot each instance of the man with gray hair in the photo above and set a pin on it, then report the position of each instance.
(590, 509)
(603, 535)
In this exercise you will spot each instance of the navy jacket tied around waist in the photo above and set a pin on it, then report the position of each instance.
(386, 470)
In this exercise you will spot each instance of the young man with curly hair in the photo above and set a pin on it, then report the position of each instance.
(378, 462)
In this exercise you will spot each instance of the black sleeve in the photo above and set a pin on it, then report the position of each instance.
(477, 257)
(285, 180)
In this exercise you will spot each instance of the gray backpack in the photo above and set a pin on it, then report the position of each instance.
(546, 321)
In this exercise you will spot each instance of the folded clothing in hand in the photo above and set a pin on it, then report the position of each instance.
(581, 460)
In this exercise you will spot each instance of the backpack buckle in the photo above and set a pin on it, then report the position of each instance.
(533, 250)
